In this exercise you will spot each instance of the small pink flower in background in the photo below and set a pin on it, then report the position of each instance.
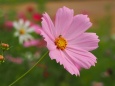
(31, 43)
(16, 60)
(35, 42)
(8, 25)
(21, 15)
(37, 17)
(30, 9)
(67, 41)
(36, 28)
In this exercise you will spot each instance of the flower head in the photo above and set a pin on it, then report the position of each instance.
(22, 30)
(67, 41)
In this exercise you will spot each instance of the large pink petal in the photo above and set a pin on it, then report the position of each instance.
(79, 25)
(48, 31)
(50, 43)
(64, 17)
(87, 41)
(48, 27)
(64, 60)
(82, 57)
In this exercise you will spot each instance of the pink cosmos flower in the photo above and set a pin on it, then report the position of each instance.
(67, 41)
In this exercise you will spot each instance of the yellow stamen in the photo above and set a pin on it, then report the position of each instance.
(22, 31)
(60, 42)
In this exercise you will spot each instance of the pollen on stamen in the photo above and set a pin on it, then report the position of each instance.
(22, 31)
(60, 42)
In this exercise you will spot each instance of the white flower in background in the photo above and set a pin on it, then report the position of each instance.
(23, 30)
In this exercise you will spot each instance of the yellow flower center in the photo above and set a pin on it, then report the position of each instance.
(22, 31)
(60, 42)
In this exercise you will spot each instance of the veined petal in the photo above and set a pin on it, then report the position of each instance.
(86, 41)
(50, 44)
(47, 26)
(82, 57)
(62, 58)
(79, 25)
(64, 17)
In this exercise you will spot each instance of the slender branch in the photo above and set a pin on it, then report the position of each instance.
(29, 70)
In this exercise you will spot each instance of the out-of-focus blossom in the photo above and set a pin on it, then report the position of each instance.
(8, 25)
(36, 28)
(37, 54)
(23, 30)
(21, 15)
(97, 84)
(31, 43)
(30, 9)
(35, 42)
(37, 17)
(46, 73)
(67, 41)
(107, 73)
(17, 60)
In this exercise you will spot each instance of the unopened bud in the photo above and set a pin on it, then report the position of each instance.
(4, 46)
(1, 58)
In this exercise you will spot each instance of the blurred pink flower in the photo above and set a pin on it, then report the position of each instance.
(67, 40)
(21, 15)
(31, 43)
(34, 42)
(36, 28)
(30, 9)
(37, 17)
(8, 25)
(16, 60)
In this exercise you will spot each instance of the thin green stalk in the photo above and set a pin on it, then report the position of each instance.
(28, 70)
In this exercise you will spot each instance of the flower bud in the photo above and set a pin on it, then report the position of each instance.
(4, 46)
(1, 58)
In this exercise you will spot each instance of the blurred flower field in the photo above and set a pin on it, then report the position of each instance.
(24, 53)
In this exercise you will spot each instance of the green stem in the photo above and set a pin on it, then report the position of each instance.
(28, 70)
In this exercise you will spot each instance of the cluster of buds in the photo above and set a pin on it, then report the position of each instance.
(4, 47)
